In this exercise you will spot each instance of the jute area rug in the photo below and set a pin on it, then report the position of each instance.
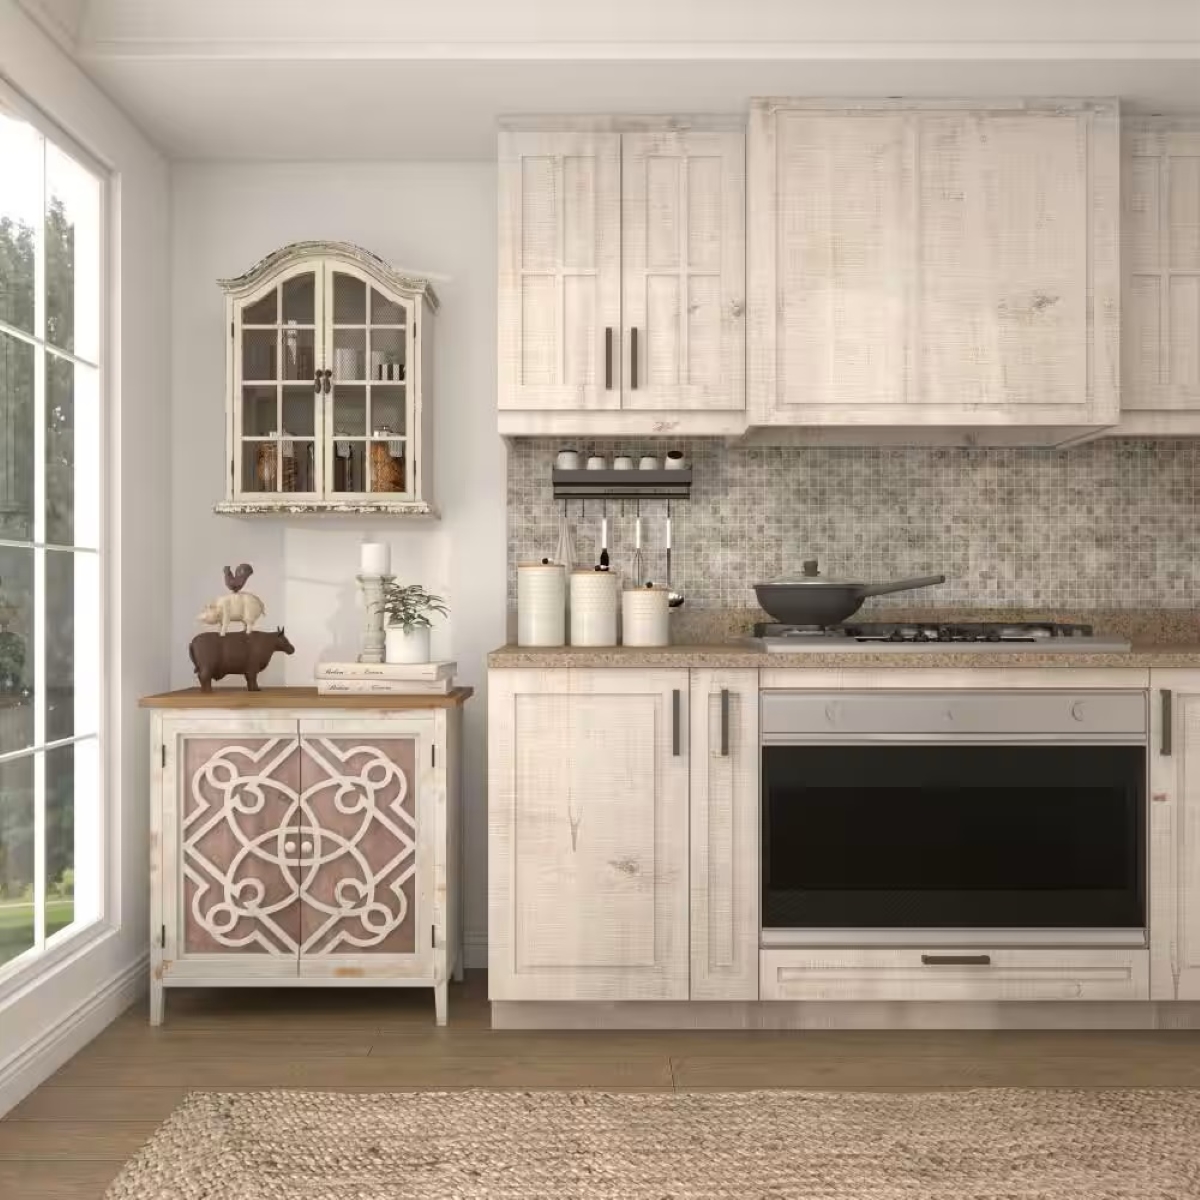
(993, 1144)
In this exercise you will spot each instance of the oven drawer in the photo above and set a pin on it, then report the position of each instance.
(932, 974)
(947, 714)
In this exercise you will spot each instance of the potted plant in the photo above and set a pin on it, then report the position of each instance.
(407, 609)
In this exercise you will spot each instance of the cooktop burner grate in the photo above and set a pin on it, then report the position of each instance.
(924, 632)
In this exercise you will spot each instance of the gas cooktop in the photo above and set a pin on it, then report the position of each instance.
(921, 635)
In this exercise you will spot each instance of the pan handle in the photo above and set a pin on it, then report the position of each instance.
(903, 585)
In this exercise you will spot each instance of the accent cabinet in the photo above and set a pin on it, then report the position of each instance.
(328, 385)
(938, 264)
(296, 842)
(622, 280)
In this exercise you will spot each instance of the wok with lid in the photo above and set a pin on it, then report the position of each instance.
(812, 599)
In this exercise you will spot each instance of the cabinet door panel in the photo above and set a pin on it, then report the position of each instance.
(560, 266)
(683, 270)
(364, 836)
(1174, 837)
(724, 835)
(588, 835)
(229, 831)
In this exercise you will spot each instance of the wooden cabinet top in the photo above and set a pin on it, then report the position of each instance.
(301, 697)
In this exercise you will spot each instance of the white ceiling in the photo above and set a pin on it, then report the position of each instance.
(367, 79)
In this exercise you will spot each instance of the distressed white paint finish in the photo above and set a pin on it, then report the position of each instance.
(560, 270)
(1161, 231)
(901, 975)
(683, 269)
(724, 836)
(1174, 835)
(933, 264)
(588, 835)
(356, 754)
(415, 297)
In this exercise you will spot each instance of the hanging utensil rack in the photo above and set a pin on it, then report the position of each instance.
(622, 485)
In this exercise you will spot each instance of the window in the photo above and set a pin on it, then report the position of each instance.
(51, 220)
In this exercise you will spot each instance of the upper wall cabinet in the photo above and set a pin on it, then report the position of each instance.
(1161, 350)
(622, 276)
(934, 266)
(329, 371)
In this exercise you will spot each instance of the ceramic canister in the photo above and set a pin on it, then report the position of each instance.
(644, 617)
(541, 604)
(593, 608)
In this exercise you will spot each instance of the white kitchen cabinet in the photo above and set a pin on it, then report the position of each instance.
(328, 385)
(1161, 316)
(588, 834)
(724, 835)
(1174, 835)
(303, 844)
(621, 281)
(936, 265)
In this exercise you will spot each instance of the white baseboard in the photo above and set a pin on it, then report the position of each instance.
(35, 1063)
(475, 949)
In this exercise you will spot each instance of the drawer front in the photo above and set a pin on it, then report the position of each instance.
(943, 974)
(953, 713)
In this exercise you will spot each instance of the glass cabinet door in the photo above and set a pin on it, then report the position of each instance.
(278, 380)
(368, 455)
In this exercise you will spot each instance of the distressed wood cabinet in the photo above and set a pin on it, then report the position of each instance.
(1174, 835)
(724, 835)
(1161, 237)
(588, 835)
(329, 385)
(304, 843)
(934, 265)
(622, 281)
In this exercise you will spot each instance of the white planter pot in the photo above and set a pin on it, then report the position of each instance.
(406, 647)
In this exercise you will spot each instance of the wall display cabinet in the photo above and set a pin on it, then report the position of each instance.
(934, 264)
(329, 385)
(1161, 315)
(588, 835)
(295, 846)
(724, 835)
(622, 281)
(1174, 835)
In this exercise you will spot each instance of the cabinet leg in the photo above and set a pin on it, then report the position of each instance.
(441, 1001)
(158, 996)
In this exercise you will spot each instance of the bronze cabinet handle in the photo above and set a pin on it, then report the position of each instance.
(328, 381)
(608, 360)
(676, 701)
(317, 382)
(956, 960)
(633, 358)
(1164, 745)
(724, 722)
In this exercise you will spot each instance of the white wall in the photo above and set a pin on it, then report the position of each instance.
(51, 1018)
(434, 219)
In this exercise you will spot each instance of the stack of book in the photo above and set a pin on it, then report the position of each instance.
(385, 679)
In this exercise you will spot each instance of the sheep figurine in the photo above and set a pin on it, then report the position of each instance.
(239, 607)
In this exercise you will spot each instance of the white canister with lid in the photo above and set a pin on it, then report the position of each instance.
(645, 617)
(593, 608)
(541, 604)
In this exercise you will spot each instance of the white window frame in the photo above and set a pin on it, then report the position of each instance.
(27, 968)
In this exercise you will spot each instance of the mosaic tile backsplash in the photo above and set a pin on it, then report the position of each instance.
(1112, 524)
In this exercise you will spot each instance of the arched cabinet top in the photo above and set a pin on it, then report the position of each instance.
(337, 252)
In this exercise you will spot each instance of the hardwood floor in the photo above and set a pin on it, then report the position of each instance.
(69, 1138)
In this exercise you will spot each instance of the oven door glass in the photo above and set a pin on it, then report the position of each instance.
(959, 836)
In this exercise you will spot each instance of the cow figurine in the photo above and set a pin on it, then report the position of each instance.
(215, 655)
(242, 608)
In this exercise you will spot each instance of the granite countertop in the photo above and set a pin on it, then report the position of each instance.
(734, 654)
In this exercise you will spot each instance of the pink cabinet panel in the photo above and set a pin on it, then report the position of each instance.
(358, 839)
(238, 845)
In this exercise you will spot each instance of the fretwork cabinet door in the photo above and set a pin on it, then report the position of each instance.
(367, 834)
(230, 853)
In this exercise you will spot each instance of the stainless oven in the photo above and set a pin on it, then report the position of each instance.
(1019, 816)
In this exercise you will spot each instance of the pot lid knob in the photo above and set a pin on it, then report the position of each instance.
(810, 568)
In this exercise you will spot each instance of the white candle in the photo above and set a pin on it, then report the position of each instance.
(376, 558)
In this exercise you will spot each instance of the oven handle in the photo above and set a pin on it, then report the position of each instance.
(1164, 746)
(956, 960)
